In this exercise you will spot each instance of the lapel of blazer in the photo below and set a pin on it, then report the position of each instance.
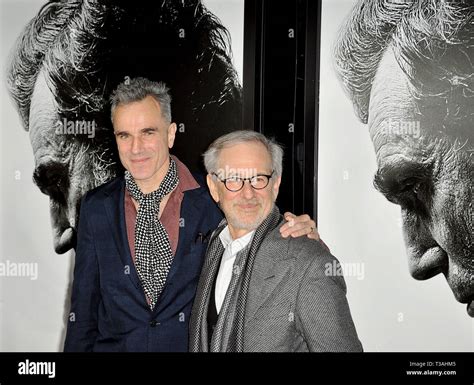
(190, 214)
(270, 267)
(212, 263)
(206, 282)
(115, 209)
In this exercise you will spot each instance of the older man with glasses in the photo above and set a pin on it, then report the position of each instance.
(257, 290)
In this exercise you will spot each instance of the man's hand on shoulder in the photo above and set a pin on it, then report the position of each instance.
(297, 226)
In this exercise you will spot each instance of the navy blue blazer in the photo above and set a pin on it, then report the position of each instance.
(109, 311)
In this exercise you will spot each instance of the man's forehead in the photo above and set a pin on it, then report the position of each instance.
(43, 107)
(231, 170)
(43, 120)
(390, 96)
(396, 108)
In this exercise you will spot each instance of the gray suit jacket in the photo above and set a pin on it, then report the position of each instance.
(292, 305)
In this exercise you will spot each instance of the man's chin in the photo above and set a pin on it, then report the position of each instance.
(462, 288)
(470, 309)
(248, 225)
(245, 226)
(140, 174)
(464, 297)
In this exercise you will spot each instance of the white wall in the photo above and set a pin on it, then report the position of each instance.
(391, 310)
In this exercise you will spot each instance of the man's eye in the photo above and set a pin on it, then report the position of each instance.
(409, 185)
(122, 136)
(406, 183)
(410, 193)
(407, 193)
(52, 179)
(148, 132)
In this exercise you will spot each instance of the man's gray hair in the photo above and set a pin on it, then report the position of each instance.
(433, 42)
(137, 89)
(211, 156)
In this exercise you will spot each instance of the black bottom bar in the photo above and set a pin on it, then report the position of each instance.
(154, 368)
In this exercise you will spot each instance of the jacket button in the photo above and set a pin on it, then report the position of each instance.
(153, 323)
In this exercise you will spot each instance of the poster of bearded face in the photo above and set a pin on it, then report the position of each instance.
(395, 154)
(396, 164)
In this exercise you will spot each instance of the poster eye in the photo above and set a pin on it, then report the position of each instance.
(52, 179)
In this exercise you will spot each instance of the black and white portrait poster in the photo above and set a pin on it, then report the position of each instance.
(391, 310)
(59, 61)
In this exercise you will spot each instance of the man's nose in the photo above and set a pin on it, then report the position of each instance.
(136, 145)
(431, 263)
(426, 258)
(248, 190)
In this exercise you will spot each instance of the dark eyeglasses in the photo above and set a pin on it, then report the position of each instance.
(236, 183)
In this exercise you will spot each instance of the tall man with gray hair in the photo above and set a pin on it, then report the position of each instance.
(258, 291)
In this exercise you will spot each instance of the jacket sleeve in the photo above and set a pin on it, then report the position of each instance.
(82, 327)
(323, 314)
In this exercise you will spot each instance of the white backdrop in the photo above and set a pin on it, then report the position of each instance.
(391, 310)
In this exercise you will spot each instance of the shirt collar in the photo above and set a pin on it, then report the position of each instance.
(186, 179)
(234, 245)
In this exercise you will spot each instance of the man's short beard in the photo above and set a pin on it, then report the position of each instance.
(240, 225)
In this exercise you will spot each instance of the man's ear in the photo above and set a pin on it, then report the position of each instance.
(171, 134)
(211, 183)
(276, 187)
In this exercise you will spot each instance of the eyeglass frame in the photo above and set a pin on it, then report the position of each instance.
(243, 181)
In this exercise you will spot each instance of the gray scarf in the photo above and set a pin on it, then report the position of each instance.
(229, 331)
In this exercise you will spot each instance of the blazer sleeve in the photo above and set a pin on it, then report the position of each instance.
(82, 328)
(323, 314)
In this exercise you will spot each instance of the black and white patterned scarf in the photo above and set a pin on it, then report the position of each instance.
(153, 254)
